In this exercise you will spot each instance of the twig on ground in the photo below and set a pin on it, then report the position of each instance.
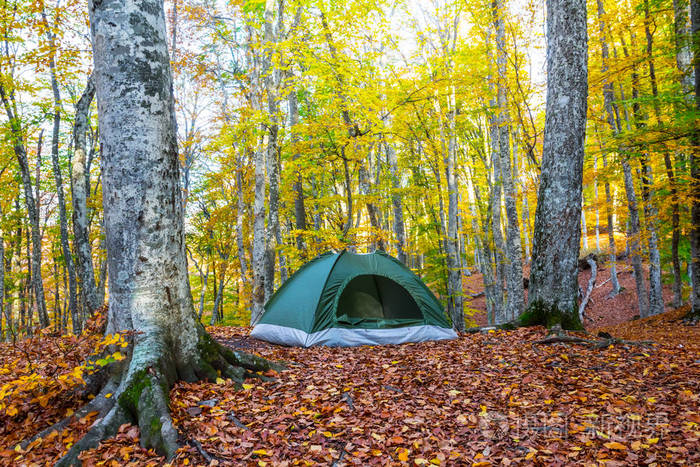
(346, 397)
(197, 445)
(232, 418)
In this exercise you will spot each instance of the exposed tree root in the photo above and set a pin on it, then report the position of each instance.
(99, 404)
(139, 394)
(593, 343)
(691, 318)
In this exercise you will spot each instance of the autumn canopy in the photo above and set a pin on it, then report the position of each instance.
(347, 299)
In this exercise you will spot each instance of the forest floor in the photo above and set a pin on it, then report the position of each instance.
(602, 310)
(485, 399)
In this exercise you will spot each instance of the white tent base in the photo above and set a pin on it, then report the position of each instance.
(344, 337)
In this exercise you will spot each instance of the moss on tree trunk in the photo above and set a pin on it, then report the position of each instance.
(539, 313)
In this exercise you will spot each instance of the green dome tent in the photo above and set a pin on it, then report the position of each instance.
(345, 299)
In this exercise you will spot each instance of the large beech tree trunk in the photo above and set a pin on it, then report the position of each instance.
(148, 283)
(554, 276)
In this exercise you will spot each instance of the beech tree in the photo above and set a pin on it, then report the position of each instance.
(553, 289)
(150, 297)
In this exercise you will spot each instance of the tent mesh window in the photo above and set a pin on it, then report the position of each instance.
(372, 297)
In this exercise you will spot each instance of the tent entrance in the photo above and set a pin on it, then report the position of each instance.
(372, 301)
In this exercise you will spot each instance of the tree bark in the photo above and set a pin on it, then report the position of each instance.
(553, 286)
(149, 287)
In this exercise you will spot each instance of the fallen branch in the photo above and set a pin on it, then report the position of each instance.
(392, 388)
(591, 282)
(593, 343)
(197, 445)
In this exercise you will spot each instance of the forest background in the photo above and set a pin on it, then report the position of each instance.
(412, 127)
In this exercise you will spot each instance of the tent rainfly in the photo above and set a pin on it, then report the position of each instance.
(345, 299)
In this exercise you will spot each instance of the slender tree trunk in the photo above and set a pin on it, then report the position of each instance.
(454, 274)
(695, 163)
(597, 206)
(272, 233)
(609, 208)
(58, 178)
(215, 314)
(486, 263)
(299, 207)
(673, 188)
(8, 320)
(496, 230)
(202, 292)
(514, 255)
(614, 124)
(634, 240)
(271, 79)
(526, 227)
(553, 287)
(259, 247)
(584, 228)
(656, 304)
(635, 247)
(397, 203)
(372, 210)
(31, 203)
(79, 176)
(348, 195)
(240, 244)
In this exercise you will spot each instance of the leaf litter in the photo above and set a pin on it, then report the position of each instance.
(485, 399)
